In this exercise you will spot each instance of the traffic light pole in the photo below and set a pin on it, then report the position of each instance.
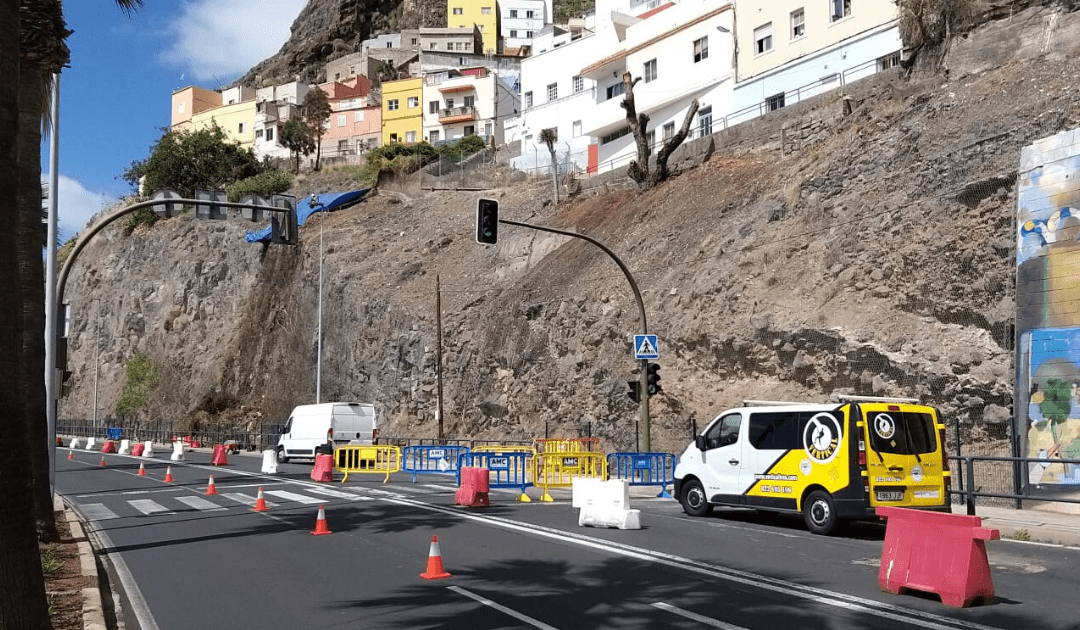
(643, 381)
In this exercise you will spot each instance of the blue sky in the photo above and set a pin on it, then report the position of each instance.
(115, 97)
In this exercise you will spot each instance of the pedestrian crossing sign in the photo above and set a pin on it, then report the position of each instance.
(645, 347)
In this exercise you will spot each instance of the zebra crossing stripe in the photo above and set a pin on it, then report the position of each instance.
(97, 512)
(201, 504)
(243, 499)
(337, 494)
(292, 496)
(149, 507)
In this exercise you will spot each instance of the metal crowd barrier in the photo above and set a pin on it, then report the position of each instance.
(567, 445)
(367, 459)
(506, 469)
(557, 470)
(418, 460)
(644, 469)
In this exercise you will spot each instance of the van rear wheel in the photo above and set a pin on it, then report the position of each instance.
(819, 512)
(281, 459)
(693, 499)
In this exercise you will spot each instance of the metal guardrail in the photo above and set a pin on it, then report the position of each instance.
(1002, 477)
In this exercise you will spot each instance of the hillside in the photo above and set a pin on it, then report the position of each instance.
(857, 243)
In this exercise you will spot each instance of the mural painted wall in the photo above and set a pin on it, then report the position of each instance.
(1048, 309)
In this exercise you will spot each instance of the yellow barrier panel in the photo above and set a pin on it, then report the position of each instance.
(379, 459)
(567, 445)
(557, 470)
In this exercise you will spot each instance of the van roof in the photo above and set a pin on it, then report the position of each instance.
(325, 407)
(789, 407)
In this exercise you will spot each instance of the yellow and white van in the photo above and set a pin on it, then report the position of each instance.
(826, 461)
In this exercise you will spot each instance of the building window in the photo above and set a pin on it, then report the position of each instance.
(798, 24)
(650, 138)
(513, 33)
(553, 91)
(840, 10)
(433, 107)
(449, 103)
(614, 135)
(763, 39)
(180, 108)
(704, 117)
(701, 49)
(392, 104)
(449, 45)
(530, 14)
(241, 129)
(434, 45)
(258, 134)
(410, 136)
(470, 130)
(579, 84)
(342, 146)
(577, 128)
(470, 101)
(650, 70)
(513, 13)
(487, 130)
(774, 102)
(341, 119)
(433, 137)
(615, 90)
(414, 101)
(270, 134)
(888, 61)
(669, 130)
(358, 116)
(528, 100)
(393, 138)
(485, 10)
(458, 10)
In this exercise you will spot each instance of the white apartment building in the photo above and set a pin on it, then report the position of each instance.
(274, 106)
(461, 103)
(522, 20)
(681, 51)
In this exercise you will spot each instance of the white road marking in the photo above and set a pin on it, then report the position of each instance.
(503, 609)
(244, 499)
(97, 512)
(292, 496)
(149, 507)
(337, 494)
(709, 621)
(201, 504)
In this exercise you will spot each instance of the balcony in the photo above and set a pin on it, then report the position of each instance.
(462, 113)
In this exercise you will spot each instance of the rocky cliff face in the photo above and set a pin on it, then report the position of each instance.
(860, 243)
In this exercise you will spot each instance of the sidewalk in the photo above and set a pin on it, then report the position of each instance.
(1034, 524)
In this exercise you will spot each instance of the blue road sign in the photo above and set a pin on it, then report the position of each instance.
(645, 347)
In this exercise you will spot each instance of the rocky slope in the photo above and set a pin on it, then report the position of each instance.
(859, 243)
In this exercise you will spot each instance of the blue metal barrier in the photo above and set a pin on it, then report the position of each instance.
(505, 469)
(644, 469)
(114, 433)
(429, 459)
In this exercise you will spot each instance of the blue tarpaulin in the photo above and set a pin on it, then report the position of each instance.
(329, 201)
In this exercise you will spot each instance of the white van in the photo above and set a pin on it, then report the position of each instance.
(315, 429)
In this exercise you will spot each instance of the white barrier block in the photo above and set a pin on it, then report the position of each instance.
(269, 465)
(605, 504)
(89, 443)
(177, 452)
(75, 443)
(125, 447)
(584, 489)
(148, 449)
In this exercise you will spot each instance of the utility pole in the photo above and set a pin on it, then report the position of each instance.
(438, 354)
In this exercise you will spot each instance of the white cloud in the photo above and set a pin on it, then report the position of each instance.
(76, 204)
(222, 39)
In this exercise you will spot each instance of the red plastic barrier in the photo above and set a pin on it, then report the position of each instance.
(137, 449)
(108, 447)
(324, 468)
(220, 457)
(937, 553)
(474, 488)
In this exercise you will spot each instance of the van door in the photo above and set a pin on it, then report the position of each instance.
(903, 455)
(722, 459)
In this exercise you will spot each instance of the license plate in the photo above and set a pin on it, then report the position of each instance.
(890, 495)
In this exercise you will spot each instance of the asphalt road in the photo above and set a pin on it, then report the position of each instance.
(188, 560)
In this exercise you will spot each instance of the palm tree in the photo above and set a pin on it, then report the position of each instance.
(549, 136)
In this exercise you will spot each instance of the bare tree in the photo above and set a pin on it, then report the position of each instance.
(639, 126)
(549, 137)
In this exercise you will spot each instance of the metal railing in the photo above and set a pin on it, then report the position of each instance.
(1001, 479)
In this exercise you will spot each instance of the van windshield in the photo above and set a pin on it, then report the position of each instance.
(901, 432)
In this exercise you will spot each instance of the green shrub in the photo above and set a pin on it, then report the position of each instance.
(140, 376)
(264, 184)
(142, 216)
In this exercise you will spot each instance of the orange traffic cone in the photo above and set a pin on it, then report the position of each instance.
(321, 528)
(71, 454)
(435, 569)
(142, 469)
(211, 488)
(168, 475)
(260, 503)
(102, 461)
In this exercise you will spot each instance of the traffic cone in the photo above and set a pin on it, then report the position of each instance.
(71, 454)
(260, 503)
(321, 528)
(168, 475)
(211, 488)
(102, 461)
(142, 469)
(435, 569)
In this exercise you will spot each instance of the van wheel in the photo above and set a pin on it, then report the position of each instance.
(819, 513)
(693, 499)
(281, 459)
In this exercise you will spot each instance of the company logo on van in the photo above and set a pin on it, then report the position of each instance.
(821, 438)
(885, 426)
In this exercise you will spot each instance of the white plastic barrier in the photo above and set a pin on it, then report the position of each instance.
(177, 451)
(269, 465)
(125, 447)
(75, 443)
(148, 449)
(89, 443)
(605, 503)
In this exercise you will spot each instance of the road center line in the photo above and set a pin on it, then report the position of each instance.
(503, 609)
(709, 621)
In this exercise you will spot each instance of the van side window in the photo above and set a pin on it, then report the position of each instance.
(288, 427)
(776, 431)
(723, 432)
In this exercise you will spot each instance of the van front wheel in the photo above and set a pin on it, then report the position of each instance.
(281, 459)
(693, 499)
(819, 512)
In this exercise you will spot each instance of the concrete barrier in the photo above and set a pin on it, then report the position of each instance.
(604, 503)
(269, 463)
(148, 449)
(177, 452)
(125, 447)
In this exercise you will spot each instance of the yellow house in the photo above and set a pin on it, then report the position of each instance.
(402, 116)
(237, 120)
(483, 13)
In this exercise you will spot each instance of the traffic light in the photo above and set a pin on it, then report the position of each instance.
(635, 391)
(654, 379)
(487, 221)
(65, 383)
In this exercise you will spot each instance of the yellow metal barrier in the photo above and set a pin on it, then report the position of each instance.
(557, 470)
(379, 459)
(567, 445)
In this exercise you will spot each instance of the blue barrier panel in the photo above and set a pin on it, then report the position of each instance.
(505, 469)
(114, 433)
(644, 469)
(426, 459)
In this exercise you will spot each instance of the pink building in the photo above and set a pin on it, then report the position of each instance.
(355, 125)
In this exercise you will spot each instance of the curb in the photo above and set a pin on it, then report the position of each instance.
(93, 611)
